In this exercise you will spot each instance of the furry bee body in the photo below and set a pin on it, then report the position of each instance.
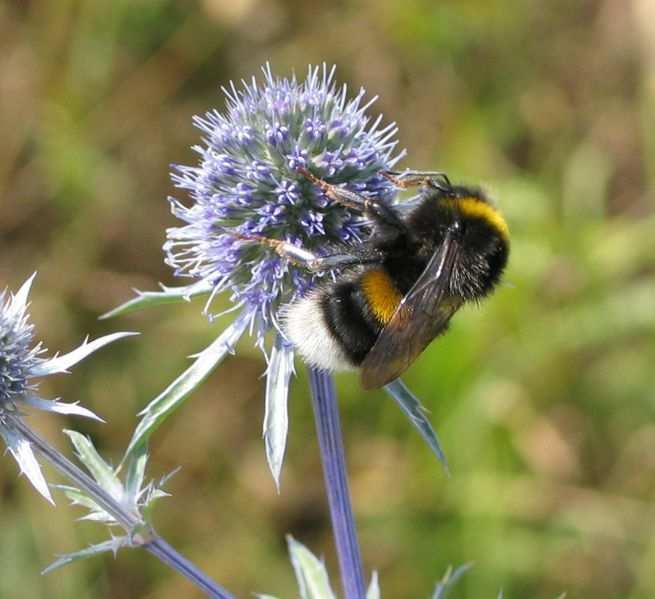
(451, 248)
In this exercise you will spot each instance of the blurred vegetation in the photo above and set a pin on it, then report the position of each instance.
(543, 397)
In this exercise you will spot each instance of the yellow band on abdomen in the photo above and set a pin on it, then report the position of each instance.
(381, 294)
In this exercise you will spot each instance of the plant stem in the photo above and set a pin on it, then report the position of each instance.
(168, 555)
(132, 523)
(328, 429)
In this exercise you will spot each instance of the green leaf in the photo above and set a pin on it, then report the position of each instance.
(112, 545)
(310, 572)
(417, 416)
(169, 295)
(176, 393)
(449, 580)
(78, 497)
(276, 419)
(61, 364)
(21, 449)
(136, 469)
(373, 591)
(102, 472)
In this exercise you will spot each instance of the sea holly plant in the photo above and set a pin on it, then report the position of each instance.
(110, 501)
(250, 183)
(22, 362)
(314, 581)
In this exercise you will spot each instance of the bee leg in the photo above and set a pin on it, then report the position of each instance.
(301, 256)
(405, 179)
(371, 207)
(322, 263)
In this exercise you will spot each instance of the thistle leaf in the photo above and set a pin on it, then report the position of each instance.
(168, 295)
(102, 472)
(373, 591)
(136, 469)
(60, 364)
(60, 407)
(311, 573)
(276, 420)
(449, 580)
(417, 416)
(112, 545)
(78, 498)
(21, 449)
(176, 393)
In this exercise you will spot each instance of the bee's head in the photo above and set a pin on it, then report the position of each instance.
(483, 236)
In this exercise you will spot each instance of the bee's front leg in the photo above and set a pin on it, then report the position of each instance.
(371, 207)
(302, 257)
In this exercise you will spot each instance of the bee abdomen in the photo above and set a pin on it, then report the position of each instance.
(333, 327)
(381, 294)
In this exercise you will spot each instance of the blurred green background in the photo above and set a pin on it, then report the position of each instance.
(543, 397)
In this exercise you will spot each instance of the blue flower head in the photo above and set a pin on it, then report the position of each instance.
(17, 356)
(21, 361)
(248, 183)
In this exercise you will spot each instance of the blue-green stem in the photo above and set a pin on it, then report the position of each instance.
(328, 429)
(139, 531)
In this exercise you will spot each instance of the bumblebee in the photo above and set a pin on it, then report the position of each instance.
(399, 289)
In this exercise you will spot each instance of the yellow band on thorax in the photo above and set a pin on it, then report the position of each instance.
(476, 208)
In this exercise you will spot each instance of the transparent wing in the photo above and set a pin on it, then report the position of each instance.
(422, 314)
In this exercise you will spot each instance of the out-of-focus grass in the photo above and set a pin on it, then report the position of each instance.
(543, 397)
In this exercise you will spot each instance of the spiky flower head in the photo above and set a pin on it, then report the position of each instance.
(248, 183)
(17, 355)
(21, 361)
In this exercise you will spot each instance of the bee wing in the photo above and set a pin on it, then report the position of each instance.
(422, 314)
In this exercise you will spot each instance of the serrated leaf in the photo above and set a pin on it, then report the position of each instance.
(311, 573)
(102, 472)
(21, 449)
(449, 580)
(136, 469)
(169, 295)
(98, 516)
(276, 420)
(77, 497)
(112, 545)
(61, 364)
(177, 392)
(59, 407)
(417, 416)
